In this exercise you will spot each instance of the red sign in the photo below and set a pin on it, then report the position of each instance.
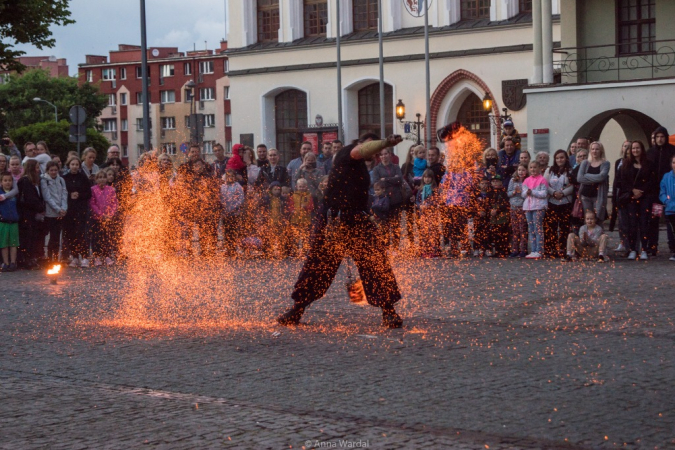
(540, 131)
(329, 136)
(312, 138)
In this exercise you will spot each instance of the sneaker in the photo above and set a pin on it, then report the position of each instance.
(292, 316)
(568, 258)
(109, 262)
(620, 248)
(476, 253)
(672, 257)
(84, 263)
(522, 255)
(514, 254)
(98, 262)
(12, 267)
(390, 319)
(644, 256)
(75, 263)
(632, 255)
(534, 255)
(601, 258)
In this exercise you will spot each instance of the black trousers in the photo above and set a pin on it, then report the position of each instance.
(500, 237)
(74, 234)
(54, 229)
(31, 239)
(455, 228)
(357, 237)
(557, 226)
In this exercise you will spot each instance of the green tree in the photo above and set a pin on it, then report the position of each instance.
(56, 135)
(17, 108)
(28, 22)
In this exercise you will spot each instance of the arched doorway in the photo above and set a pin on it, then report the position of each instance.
(290, 117)
(475, 118)
(369, 109)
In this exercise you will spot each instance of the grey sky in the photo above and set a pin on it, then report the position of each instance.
(101, 25)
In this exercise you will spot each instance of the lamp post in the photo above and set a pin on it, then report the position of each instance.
(56, 111)
(193, 120)
(415, 125)
(495, 120)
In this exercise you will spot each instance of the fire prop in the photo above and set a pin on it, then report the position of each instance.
(53, 273)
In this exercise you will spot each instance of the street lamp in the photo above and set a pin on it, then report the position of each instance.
(496, 119)
(414, 127)
(56, 112)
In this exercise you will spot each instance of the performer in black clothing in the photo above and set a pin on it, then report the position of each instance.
(344, 229)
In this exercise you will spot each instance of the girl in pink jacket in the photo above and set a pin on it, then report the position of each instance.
(535, 193)
(103, 204)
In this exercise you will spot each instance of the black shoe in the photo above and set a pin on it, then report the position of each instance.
(292, 316)
(12, 267)
(390, 318)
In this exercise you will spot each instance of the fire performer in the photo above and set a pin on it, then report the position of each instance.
(344, 229)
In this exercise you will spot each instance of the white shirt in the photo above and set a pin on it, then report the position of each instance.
(42, 159)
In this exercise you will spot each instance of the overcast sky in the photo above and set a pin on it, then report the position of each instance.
(101, 25)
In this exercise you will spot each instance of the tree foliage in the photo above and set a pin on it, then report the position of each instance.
(28, 22)
(56, 136)
(17, 108)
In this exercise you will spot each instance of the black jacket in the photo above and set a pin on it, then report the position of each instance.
(79, 183)
(643, 179)
(30, 199)
(660, 156)
(266, 176)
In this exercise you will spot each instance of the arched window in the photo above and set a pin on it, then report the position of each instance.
(316, 17)
(475, 118)
(364, 14)
(290, 112)
(268, 20)
(525, 6)
(369, 109)
(475, 9)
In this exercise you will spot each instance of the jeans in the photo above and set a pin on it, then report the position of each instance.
(670, 223)
(535, 229)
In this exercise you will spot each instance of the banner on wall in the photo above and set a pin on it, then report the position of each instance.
(312, 138)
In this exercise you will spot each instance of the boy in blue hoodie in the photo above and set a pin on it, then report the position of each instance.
(9, 224)
(667, 197)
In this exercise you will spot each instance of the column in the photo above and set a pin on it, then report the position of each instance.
(547, 41)
(538, 76)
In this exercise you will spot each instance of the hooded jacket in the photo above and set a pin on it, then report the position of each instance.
(55, 195)
(660, 156)
(667, 194)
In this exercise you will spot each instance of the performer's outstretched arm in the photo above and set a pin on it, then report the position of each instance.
(367, 150)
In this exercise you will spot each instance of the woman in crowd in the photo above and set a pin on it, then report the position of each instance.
(89, 168)
(639, 188)
(42, 148)
(616, 214)
(103, 205)
(252, 169)
(4, 162)
(578, 221)
(518, 218)
(572, 154)
(390, 174)
(32, 211)
(491, 163)
(75, 221)
(56, 200)
(525, 158)
(560, 203)
(594, 180)
(15, 167)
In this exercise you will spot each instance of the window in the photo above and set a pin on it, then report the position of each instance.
(125, 151)
(210, 120)
(168, 96)
(208, 147)
(124, 125)
(364, 13)
(108, 74)
(475, 118)
(226, 92)
(123, 73)
(140, 149)
(187, 121)
(369, 109)
(525, 6)
(207, 94)
(139, 97)
(316, 17)
(139, 124)
(168, 123)
(112, 99)
(109, 125)
(475, 9)
(206, 67)
(187, 68)
(139, 72)
(226, 66)
(123, 98)
(166, 70)
(169, 148)
(637, 26)
(90, 76)
(268, 20)
(188, 95)
(290, 110)
(228, 120)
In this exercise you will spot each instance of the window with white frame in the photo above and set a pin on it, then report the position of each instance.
(168, 123)
(226, 92)
(168, 96)
(108, 74)
(90, 76)
(112, 99)
(125, 151)
(205, 66)
(226, 66)
(228, 146)
(187, 68)
(124, 125)
(139, 124)
(123, 73)
(207, 94)
(139, 97)
(228, 120)
(109, 125)
(123, 98)
(209, 120)
(166, 70)
(187, 121)
(188, 95)
(208, 147)
(169, 148)
(139, 72)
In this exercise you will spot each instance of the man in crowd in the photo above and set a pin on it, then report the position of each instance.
(325, 159)
(434, 164)
(582, 142)
(114, 153)
(543, 159)
(295, 164)
(31, 152)
(509, 158)
(660, 155)
(273, 171)
(261, 153)
(219, 163)
(337, 146)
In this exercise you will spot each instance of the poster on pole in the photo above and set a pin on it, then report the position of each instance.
(416, 7)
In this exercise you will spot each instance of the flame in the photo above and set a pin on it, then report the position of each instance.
(54, 270)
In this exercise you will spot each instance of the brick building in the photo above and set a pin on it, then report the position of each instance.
(119, 76)
(57, 67)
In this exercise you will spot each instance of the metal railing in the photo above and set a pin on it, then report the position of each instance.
(617, 62)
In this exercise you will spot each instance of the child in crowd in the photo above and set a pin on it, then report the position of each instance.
(55, 195)
(301, 207)
(509, 131)
(232, 200)
(15, 167)
(380, 206)
(667, 197)
(518, 219)
(103, 205)
(481, 221)
(591, 242)
(9, 224)
(275, 240)
(75, 221)
(320, 193)
(428, 223)
(419, 163)
(499, 229)
(535, 193)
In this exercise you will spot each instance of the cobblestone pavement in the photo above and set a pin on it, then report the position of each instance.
(494, 354)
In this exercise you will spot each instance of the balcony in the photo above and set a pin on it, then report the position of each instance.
(610, 63)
